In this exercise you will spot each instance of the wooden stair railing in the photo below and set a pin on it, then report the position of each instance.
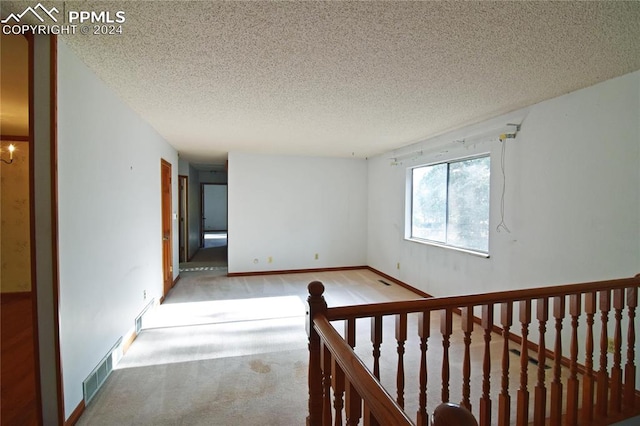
(341, 387)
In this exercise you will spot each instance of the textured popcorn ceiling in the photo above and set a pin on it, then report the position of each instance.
(347, 78)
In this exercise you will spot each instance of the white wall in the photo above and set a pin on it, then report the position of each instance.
(195, 220)
(193, 208)
(572, 200)
(290, 208)
(212, 176)
(215, 207)
(109, 219)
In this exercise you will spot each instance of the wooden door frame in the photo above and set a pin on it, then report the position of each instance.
(166, 213)
(43, 138)
(29, 139)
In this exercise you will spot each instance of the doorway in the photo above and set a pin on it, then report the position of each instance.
(214, 215)
(183, 217)
(19, 358)
(213, 251)
(167, 257)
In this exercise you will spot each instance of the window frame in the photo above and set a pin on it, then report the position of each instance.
(409, 206)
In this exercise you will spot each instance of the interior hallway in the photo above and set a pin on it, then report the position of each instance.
(213, 256)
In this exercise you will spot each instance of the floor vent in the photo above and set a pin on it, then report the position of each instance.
(384, 282)
(138, 321)
(531, 359)
(138, 324)
(96, 379)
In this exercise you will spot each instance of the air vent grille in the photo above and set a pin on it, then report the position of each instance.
(138, 323)
(98, 376)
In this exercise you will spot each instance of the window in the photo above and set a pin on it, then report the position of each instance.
(450, 203)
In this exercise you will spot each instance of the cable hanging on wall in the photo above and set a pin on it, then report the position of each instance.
(503, 141)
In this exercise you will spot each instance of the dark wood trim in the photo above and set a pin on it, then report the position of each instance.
(32, 230)
(53, 111)
(11, 138)
(176, 281)
(18, 295)
(75, 416)
(400, 283)
(294, 271)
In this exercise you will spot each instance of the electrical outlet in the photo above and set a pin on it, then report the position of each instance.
(317, 256)
(611, 347)
(398, 265)
(144, 295)
(270, 260)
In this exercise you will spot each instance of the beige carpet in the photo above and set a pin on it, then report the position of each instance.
(233, 351)
(226, 351)
(212, 257)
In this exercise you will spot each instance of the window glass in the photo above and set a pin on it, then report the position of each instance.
(430, 203)
(450, 203)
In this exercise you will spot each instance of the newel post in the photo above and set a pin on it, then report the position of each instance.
(316, 305)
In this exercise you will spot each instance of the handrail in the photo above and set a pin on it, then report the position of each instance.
(336, 371)
(425, 304)
(381, 404)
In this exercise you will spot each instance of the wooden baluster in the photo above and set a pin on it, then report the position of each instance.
(540, 400)
(467, 328)
(588, 383)
(523, 392)
(573, 383)
(602, 395)
(485, 399)
(504, 399)
(366, 414)
(556, 384)
(401, 337)
(445, 330)
(367, 417)
(316, 305)
(337, 382)
(424, 323)
(353, 402)
(376, 340)
(326, 382)
(616, 371)
(350, 332)
(630, 367)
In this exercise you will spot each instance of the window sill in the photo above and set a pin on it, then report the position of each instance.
(445, 246)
